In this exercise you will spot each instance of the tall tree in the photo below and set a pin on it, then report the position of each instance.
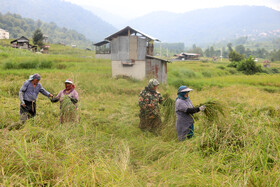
(38, 38)
(240, 49)
(229, 45)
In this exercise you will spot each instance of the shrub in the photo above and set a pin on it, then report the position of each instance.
(46, 64)
(249, 66)
(221, 67)
(10, 65)
(233, 64)
(61, 66)
(28, 65)
(206, 74)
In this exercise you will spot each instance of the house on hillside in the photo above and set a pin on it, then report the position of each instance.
(186, 56)
(23, 43)
(45, 39)
(132, 55)
(4, 34)
(102, 50)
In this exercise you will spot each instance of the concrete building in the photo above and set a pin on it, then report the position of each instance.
(4, 34)
(132, 56)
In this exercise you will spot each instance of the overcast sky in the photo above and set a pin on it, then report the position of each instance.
(141, 7)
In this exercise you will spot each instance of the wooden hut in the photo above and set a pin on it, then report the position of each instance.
(103, 50)
(187, 56)
(22, 43)
(132, 55)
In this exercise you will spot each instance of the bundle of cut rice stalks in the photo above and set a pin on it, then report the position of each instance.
(68, 111)
(213, 109)
(168, 131)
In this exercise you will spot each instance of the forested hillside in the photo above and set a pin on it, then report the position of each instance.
(62, 13)
(18, 26)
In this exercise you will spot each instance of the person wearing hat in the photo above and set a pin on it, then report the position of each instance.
(69, 114)
(149, 100)
(184, 110)
(27, 95)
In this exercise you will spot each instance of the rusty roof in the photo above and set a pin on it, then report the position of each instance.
(126, 30)
(153, 57)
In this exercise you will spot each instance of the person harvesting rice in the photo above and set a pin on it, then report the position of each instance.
(149, 100)
(68, 102)
(28, 95)
(184, 110)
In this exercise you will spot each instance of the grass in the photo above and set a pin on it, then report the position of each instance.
(106, 147)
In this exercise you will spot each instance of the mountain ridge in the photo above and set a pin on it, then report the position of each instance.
(64, 14)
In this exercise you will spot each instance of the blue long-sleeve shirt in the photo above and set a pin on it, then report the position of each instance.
(29, 93)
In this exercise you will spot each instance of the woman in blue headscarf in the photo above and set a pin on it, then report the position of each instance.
(184, 110)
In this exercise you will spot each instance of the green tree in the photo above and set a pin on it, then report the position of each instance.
(38, 38)
(235, 56)
(229, 45)
(240, 49)
(275, 55)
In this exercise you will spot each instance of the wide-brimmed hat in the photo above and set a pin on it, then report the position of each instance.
(184, 89)
(69, 81)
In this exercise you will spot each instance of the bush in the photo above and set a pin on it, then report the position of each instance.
(46, 64)
(249, 66)
(233, 64)
(10, 65)
(27, 65)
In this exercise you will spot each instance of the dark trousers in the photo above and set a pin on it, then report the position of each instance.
(29, 111)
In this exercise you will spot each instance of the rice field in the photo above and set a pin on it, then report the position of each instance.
(240, 146)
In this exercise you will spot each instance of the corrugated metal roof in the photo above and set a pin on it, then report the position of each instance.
(21, 39)
(153, 57)
(101, 43)
(124, 32)
(190, 54)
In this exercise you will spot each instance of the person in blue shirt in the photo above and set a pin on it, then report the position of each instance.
(27, 95)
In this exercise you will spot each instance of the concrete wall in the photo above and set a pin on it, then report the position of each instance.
(137, 71)
(103, 56)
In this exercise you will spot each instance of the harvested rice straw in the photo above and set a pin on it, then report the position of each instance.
(68, 110)
(168, 131)
(213, 109)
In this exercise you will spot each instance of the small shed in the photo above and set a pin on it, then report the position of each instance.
(103, 50)
(22, 43)
(187, 56)
(132, 55)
